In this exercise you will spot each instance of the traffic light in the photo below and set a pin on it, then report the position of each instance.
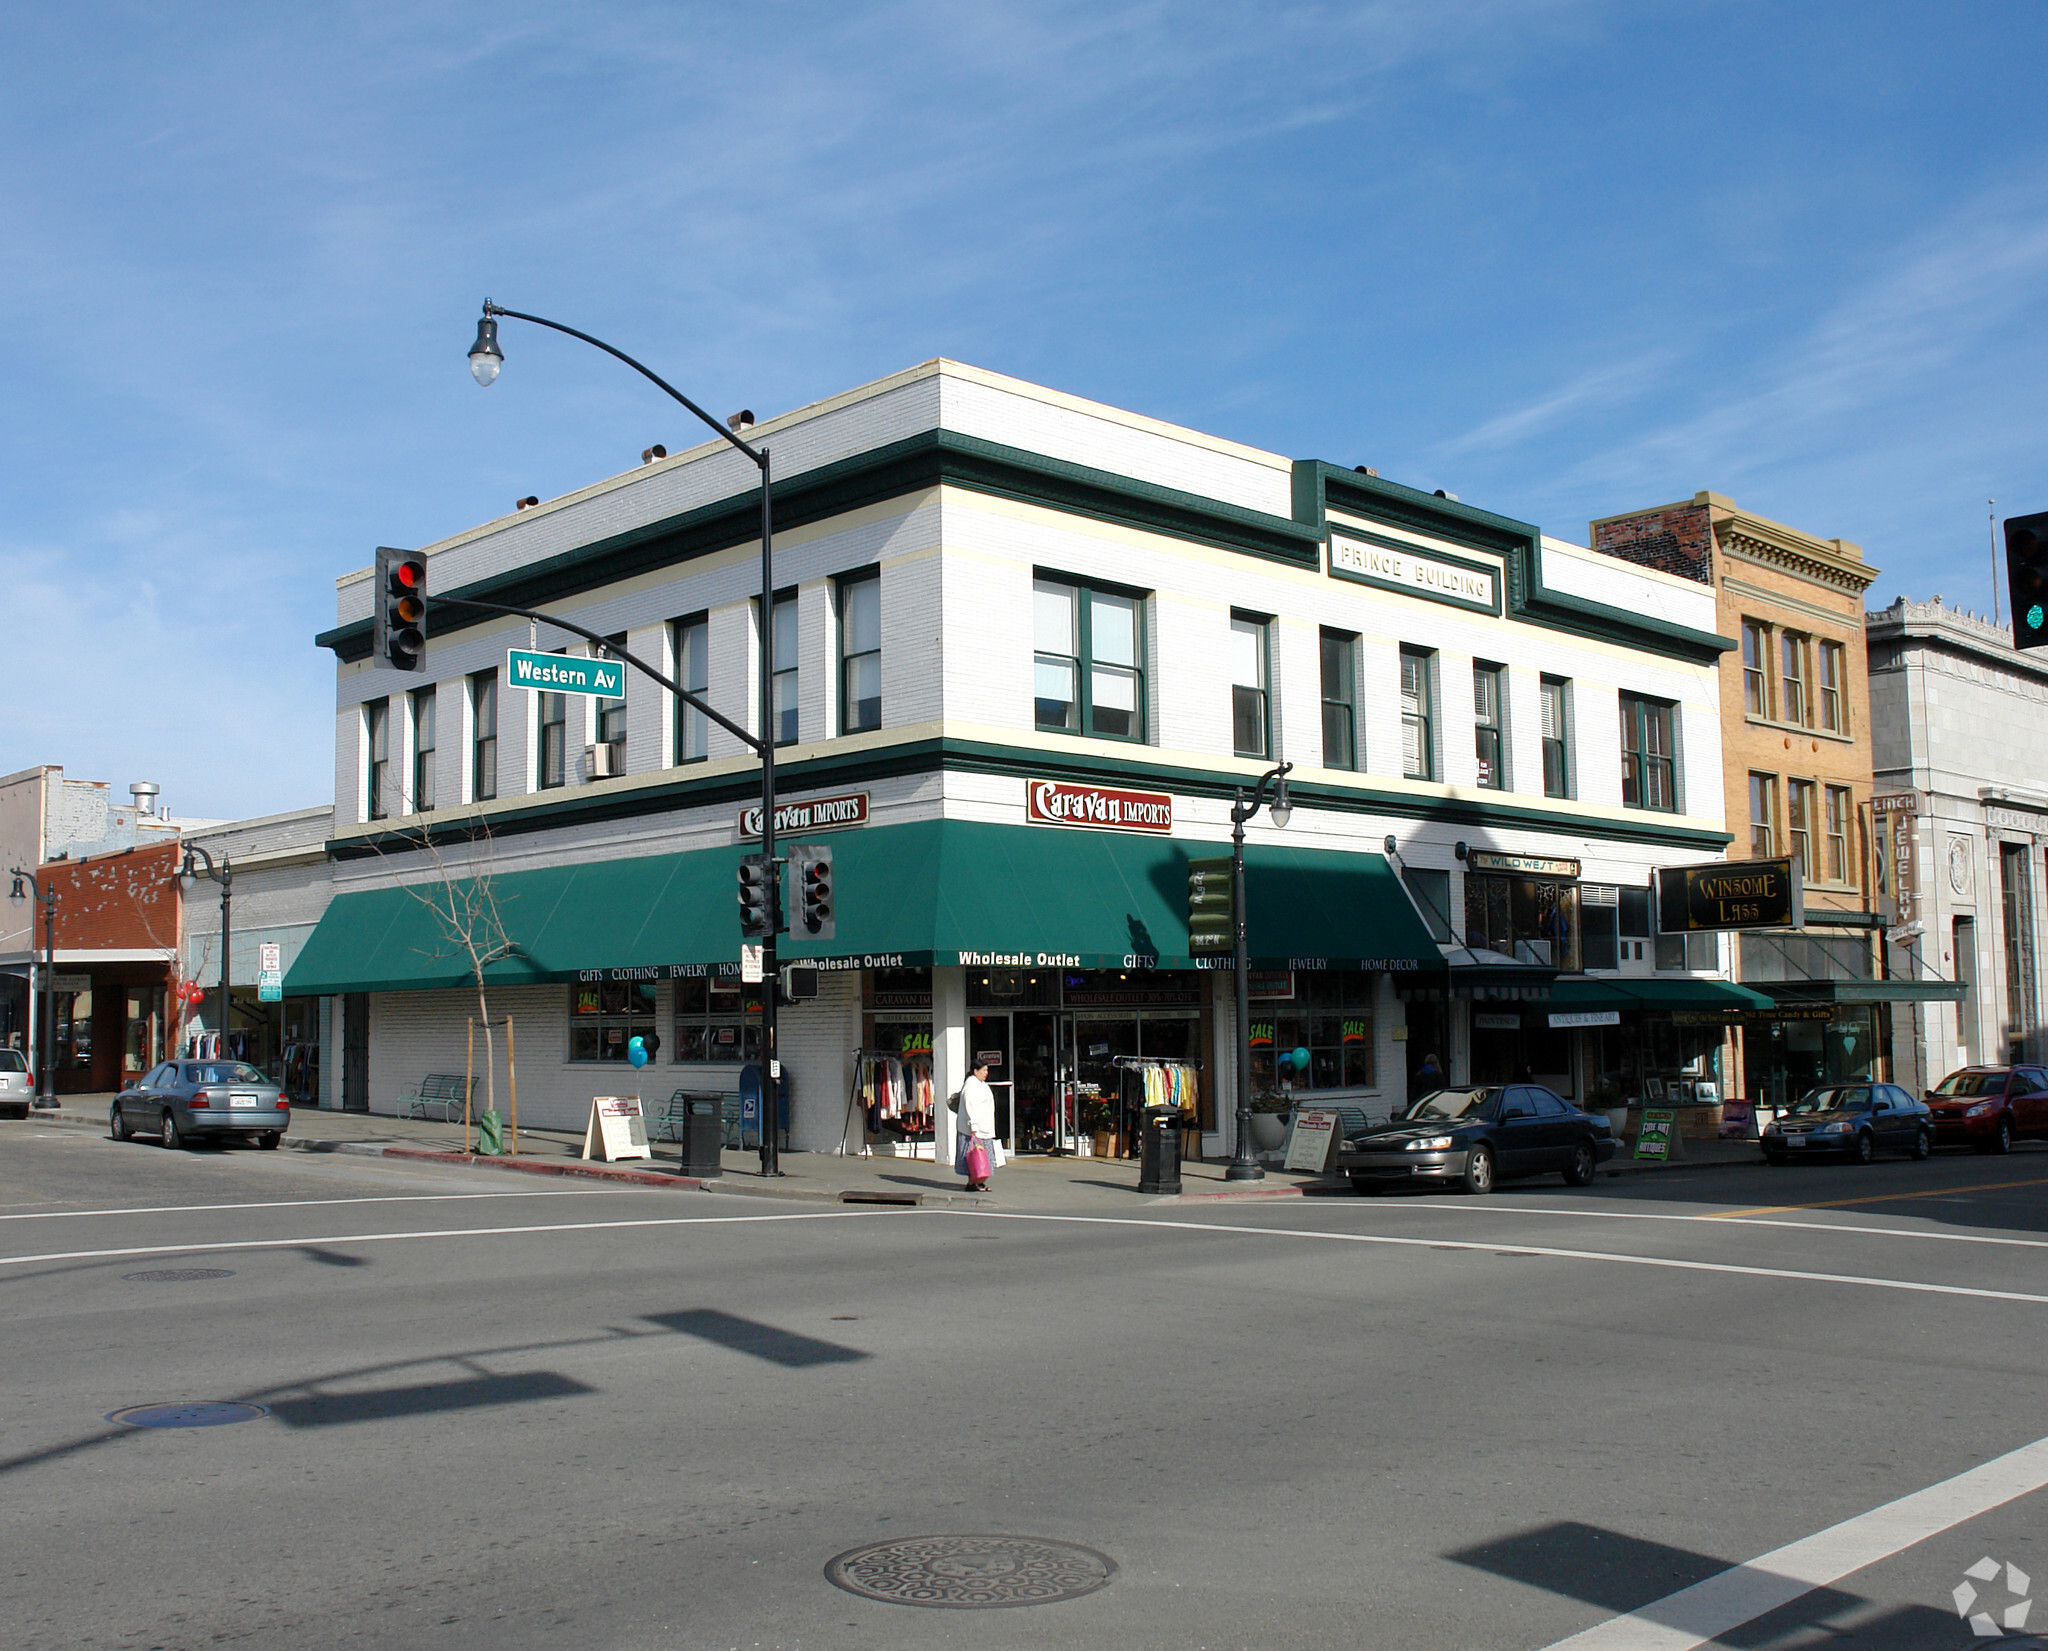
(760, 910)
(811, 870)
(2026, 571)
(398, 616)
(1212, 907)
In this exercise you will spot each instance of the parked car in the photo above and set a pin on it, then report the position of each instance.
(1479, 1135)
(1857, 1119)
(17, 1087)
(181, 1102)
(1990, 1107)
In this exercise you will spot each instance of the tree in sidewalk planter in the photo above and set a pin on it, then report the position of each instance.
(463, 904)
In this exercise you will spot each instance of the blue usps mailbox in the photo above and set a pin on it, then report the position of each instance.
(750, 1106)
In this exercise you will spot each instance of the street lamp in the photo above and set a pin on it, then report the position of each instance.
(46, 1041)
(1243, 1166)
(486, 360)
(224, 875)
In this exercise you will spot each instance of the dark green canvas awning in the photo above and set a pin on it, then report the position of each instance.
(1864, 991)
(933, 891)
(1655, 994)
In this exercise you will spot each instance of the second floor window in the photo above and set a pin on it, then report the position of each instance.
(1557, 737)
(1088, 668)
(784, 669)
(1836, 800)
(1756, 668)
(483, 746)
(1799, 811)
(1249, 736)
(1763, 816)
(554, 741)
(1418, 741)
(1488, 720)
(860, 654)
(1796, 705)
(377, 735)
(1833, 716)
(1649, 761)
(692, 644)
(1340, 700)
(423, 750)
(611, 713)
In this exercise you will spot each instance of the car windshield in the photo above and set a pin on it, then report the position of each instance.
(1973, 1083)
(225, 1072)
(11, 1061)
(1454, 1103)
(1832, 1100)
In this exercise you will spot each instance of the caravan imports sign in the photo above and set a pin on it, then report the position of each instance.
(1102, 807)
(809, 814)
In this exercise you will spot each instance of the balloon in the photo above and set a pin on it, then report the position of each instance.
(636, 1051)
(1301, 1060)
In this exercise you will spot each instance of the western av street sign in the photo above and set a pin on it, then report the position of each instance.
(565, 674)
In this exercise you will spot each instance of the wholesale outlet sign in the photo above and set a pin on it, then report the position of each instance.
(561, 674)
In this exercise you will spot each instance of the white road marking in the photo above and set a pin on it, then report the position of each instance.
(450, 1232)
(1705, 1611)
(1490, 1246)
(1490, 1207)
(304, 1203)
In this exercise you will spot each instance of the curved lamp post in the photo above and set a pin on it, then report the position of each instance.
(46, 1041)
(224, 874)
(1243, 1166)
(486, 361)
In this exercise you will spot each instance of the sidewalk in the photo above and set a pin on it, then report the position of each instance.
(828, 1177)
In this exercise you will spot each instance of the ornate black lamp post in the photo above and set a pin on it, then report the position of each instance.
(224, 874)
(1243, 1166)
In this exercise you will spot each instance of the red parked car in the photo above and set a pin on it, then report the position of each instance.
(1990, 1107)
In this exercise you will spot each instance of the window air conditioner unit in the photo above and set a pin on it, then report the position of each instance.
(598, 762)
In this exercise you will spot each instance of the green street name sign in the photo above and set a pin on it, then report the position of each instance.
(563, 674)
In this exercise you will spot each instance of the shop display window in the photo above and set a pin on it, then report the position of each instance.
(718, 1020)
(1531, 919)
(1331, 1016)
(604, 1016)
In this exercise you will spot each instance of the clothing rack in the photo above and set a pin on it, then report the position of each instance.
(1154, 1080)
(894, 1093)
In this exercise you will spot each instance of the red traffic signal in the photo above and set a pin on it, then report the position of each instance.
(398, 616)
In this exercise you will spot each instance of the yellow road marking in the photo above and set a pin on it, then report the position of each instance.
(1876, 1198)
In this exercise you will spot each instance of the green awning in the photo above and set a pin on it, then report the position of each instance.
(932, 891)
(1655, 994)
(1864, 991)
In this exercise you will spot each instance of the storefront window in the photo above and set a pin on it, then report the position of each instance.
(604, 1016)
(717, 1020)
(1330, 1014)
(1654, 1059)
(74, 1030)
(1534, 920)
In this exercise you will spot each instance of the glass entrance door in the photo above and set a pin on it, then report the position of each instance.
(988, 1038)
(1035, 1048)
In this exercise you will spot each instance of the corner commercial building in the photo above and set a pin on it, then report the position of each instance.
(1025, 650)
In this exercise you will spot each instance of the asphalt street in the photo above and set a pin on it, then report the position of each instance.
(511, 1416)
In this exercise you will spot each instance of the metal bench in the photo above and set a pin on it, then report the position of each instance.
(445, 1092)
(674, 1117)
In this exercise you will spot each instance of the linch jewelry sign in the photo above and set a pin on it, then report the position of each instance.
(1415, 572)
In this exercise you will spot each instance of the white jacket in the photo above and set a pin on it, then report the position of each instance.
(977, 1108)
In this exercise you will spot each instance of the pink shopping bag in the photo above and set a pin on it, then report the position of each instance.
(977, 1161)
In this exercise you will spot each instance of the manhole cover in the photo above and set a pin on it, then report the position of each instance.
(970, 1573)
(177, 1275)
(203, 1414)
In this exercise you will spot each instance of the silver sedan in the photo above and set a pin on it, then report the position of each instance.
(182, 1102)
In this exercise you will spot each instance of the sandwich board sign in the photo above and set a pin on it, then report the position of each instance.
(616, 1130)
(1658, 1137)
(1310, 1141)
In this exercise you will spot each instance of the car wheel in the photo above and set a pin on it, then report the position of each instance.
(269, 1142)
(1580, 1172)
(1923, 1145)
(1478, 1176)
(1865, 1148)
(117, 1126)
(2001, 1141)
(169, 1132)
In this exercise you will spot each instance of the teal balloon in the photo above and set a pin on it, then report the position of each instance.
(636, 1051)
(1301, 1060)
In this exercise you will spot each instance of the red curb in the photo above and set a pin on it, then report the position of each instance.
(593, 1172)
(1237, 1197)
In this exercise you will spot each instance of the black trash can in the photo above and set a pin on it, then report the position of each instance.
(702, 1138)
(1159, 1153)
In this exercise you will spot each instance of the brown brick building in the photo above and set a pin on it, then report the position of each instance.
(1796, 761)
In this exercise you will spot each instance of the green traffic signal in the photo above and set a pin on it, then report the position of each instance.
(2026, 569)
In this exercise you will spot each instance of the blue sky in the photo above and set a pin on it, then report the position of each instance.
(1563, 259)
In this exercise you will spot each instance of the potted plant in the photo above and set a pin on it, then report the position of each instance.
(1269, 1120)
(1098, 1120)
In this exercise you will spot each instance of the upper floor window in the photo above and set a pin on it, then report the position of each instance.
(1763, 816)
(1756, 668)
(483, 741)
(1088, 671)
(1340, 700)
(1649, 753)
(1249, 733)
(691, 641)
(553, 766)
(377, 736)
(1797, 703)
(784, 668)
(1838, 804)
(423, 750)
(1557, 737)
(860, 652)
(1799, 823)
(611, 713)
(1418, 738)
(1833, 706)
(1489, 720)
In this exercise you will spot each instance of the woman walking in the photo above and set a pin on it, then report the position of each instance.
(977, 1127)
